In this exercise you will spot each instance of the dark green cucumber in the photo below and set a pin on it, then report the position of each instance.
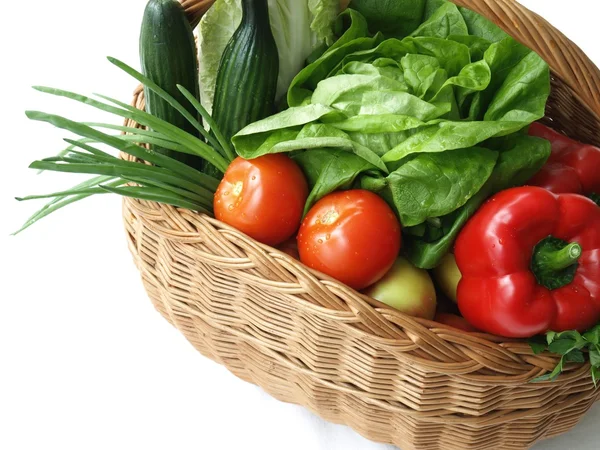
(168, 57)
(247, 79)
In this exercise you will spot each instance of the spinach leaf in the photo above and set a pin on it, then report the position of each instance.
(522, 156)
(329, 170)
(427, 252)
(433, 185)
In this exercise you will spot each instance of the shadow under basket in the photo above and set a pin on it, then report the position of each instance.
(309, 340)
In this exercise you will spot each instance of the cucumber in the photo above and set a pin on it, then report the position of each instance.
(168, 57)
(247, 79)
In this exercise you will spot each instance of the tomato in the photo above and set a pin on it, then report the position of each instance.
(263, 198)
(407, 289)
(352, 236)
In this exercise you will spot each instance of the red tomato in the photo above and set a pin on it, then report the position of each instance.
(262, 197)
(352, 236)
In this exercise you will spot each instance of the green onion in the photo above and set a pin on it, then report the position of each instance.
(61, 201)
(170, 100)
(209, 120)
(155, 195)
(163, 179)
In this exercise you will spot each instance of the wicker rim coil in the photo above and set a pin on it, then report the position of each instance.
(307, 339)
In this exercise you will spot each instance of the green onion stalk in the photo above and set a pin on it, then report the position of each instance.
(163, 180)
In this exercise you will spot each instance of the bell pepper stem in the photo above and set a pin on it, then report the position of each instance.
(554, 260)
(595, 198)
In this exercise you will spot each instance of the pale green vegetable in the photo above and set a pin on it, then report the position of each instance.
(448, 276)
(407, 289)
(215, 31)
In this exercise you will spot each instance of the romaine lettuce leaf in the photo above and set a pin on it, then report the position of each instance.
(214, 32)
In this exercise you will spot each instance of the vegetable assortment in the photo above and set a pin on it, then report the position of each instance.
(422, 120)
(299, 27)
(374, 144)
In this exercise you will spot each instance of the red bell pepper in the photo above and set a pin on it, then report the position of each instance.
(530, 263)
(573, 167)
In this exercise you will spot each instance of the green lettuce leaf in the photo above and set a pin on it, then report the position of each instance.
(481, 27)
(444, 21)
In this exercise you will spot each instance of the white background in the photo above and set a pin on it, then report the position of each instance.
(85, 361)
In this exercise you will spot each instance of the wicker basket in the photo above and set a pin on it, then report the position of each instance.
(309, 340)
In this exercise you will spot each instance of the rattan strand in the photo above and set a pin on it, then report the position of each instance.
(309, 340)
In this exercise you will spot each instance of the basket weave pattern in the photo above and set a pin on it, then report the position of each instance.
(309, 340)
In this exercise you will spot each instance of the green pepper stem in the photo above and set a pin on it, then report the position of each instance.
(554, 260)
(595, 198)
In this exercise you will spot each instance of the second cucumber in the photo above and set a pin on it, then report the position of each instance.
(247, 79)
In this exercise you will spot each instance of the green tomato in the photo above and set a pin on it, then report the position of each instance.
(447, 276)
(407, 289)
